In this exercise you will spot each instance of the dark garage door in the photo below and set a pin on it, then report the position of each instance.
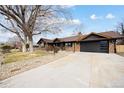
(96, 46)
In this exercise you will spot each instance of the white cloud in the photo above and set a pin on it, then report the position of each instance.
(69, 21)
(94, 17)
(76, 21)
(110, 16)
(63, 21)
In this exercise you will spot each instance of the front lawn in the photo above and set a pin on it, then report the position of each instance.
(15, 56)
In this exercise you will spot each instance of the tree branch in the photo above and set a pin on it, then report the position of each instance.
(7, 28)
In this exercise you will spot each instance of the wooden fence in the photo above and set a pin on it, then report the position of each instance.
(120, 48)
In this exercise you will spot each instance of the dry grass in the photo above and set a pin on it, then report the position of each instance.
(19, 56)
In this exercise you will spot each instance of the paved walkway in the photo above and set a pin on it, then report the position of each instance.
(76, 70)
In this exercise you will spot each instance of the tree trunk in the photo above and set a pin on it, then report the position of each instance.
(23, 43)
(31, 44)
(24, 47)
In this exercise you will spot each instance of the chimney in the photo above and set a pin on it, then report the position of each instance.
(79, 34)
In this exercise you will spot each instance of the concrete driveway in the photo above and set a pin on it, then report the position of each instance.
(76, 70)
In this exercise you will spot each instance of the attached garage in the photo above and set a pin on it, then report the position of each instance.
(94, 43)
(94, 46)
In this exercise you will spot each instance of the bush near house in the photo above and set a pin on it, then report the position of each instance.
(55, 49)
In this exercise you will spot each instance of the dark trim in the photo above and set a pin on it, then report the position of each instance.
(108, 45)
(62, 42)
(115, 51)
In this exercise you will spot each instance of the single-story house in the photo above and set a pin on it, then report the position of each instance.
(94, 42)
(43, 42)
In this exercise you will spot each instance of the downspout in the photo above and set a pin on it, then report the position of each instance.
(108, 46)
(74, 47)
(115, 46)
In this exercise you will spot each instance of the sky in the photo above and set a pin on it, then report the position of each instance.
(92, 18)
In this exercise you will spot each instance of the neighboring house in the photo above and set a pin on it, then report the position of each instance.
(17, 45)
(94, 42)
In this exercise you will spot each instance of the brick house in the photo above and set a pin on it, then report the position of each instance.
(94, 42)
(43, 42)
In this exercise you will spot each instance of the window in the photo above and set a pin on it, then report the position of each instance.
(68, 44)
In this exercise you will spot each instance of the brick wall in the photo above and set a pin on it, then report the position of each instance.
(120, 48)
(111, 47)
(75, 46)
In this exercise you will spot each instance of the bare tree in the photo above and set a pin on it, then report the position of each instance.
(26, 21)
(120, 29)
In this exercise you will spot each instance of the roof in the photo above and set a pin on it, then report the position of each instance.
(69, 39)
(105, 35)
(93, 33)
(111, 34)
(44, 40)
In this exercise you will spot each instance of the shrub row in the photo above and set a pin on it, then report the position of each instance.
(5, 48)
